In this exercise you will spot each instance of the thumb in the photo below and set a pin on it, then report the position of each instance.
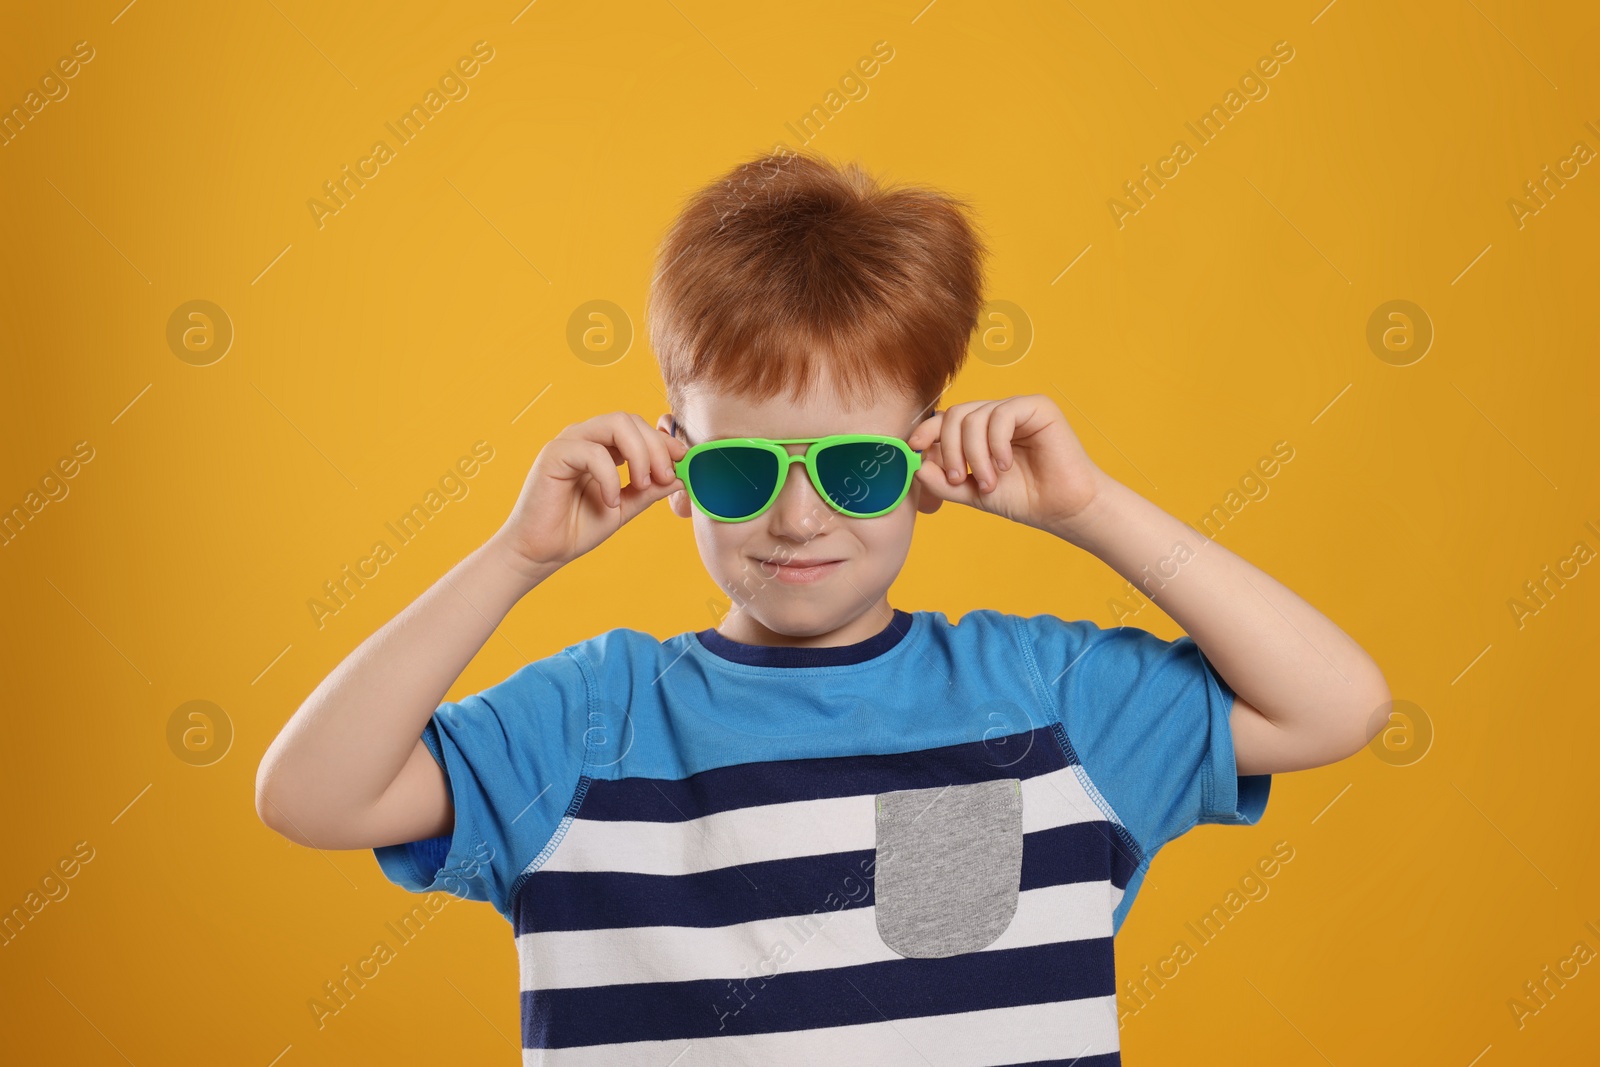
(932, 479)
(636, 499)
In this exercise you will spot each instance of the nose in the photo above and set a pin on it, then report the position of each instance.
(799, 513)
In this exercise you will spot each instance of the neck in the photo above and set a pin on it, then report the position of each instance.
(740, 625)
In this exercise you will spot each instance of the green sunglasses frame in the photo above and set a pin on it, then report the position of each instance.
(809, 458)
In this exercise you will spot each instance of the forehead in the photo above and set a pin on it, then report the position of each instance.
(708, 415)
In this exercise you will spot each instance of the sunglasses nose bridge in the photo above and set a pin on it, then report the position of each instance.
(790, 512)
(789, 463)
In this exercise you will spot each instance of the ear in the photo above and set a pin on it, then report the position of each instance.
(678, 501)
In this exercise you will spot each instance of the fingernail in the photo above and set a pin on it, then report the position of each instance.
(953, 473)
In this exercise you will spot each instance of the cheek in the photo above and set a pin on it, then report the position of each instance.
(887, 538)
(722, 544)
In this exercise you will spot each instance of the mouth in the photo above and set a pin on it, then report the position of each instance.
(800, 571)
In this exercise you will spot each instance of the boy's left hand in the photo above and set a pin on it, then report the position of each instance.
(1031, 465)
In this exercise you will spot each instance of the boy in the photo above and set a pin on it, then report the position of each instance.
(827, 830)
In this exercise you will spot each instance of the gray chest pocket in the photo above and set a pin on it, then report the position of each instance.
(948, 866)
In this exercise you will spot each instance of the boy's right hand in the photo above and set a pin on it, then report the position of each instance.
(573, 498)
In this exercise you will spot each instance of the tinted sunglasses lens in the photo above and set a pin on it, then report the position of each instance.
(862, 476)
(733, 482)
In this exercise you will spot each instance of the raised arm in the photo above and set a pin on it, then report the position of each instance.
(1305, 693)
(349, 769)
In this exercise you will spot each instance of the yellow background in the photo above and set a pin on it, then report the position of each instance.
(370, 353)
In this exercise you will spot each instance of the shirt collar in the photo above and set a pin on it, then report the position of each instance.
(792, 656)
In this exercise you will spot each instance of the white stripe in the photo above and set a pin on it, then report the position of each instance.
(1062, 1030)
(779, 831)
(567, 959)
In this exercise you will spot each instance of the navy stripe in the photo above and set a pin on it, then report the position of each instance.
(1104, 1059)
(777, 889)
(609, 900)
(748, 785)
(803, 1000)
(1131, 847)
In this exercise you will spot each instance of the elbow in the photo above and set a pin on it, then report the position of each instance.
(267, 811)
(269, 802)
(295, 809)
(1375, 712)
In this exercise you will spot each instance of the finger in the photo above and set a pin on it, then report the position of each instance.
(955, 461)
(926, 433)
(676, 445)
(630, 442)
(655, 447)
(1002, 431)
(936, 482)
(658, 443)
(598, 429)
(975, 443)
(933, 462)
(593, 459)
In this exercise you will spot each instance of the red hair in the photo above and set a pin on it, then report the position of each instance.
(788, 263)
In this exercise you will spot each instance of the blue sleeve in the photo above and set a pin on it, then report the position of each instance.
(1149, 721)
(512, 756)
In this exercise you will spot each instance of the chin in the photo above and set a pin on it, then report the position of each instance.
(794, 616)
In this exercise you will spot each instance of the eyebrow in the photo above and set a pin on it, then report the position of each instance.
(731, 436)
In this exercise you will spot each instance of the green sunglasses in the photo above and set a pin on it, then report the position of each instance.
(861, 476)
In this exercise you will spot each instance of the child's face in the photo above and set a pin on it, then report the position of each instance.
(743, 557)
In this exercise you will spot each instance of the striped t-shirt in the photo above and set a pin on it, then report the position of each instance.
(915, 849)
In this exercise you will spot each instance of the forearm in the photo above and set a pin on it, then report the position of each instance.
(350, 738)
(1278, 653)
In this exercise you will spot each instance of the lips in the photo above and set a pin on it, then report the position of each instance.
(801, 571)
